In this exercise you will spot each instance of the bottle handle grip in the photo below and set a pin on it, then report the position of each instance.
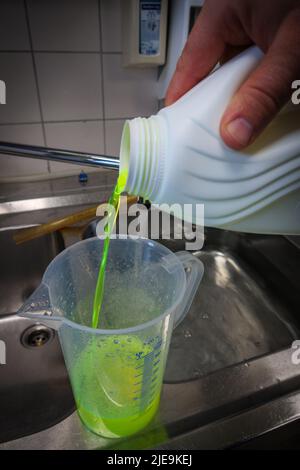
(194, 271)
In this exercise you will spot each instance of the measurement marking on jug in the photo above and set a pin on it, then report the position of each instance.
(149, 376)
(147, 355)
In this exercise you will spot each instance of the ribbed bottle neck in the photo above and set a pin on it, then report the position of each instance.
(142, 155)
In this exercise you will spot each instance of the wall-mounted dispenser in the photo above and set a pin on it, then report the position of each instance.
(182, 16)
(144, 32)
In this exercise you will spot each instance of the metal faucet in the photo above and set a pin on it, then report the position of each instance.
(59, 155)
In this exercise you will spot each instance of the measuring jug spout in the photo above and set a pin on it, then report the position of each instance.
(38, 307)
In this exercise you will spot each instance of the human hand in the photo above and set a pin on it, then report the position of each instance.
(224, 28)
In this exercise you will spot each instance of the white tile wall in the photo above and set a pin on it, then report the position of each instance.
(113, 133)
(69, 82)
(13, 26)
(17, 166)
(81, 136)
(111, 25)
(70, 86)
(16, 69)
(68, 25)
(128, 92)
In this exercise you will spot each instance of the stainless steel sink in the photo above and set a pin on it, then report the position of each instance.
(34, 387)
(244, 307)
(229, 376)
(22, 267)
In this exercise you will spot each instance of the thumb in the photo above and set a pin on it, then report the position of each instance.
(263, 94)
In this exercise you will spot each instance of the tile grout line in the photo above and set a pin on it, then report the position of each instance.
(36, 78)
(102, 75)
(65, 121)
(46, 51)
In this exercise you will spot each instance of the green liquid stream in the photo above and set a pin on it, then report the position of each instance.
(112, 213)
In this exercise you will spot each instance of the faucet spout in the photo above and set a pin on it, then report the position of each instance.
(60, 155)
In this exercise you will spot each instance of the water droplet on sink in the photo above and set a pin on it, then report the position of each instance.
(187, 334)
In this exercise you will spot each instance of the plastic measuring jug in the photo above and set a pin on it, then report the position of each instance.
(116, 371)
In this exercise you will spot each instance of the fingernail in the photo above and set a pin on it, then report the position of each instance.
(241, 130)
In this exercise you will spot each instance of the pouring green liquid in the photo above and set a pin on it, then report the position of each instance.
(117, 378)
(112, 213)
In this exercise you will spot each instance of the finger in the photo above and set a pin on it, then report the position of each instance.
(202, 51)
(231, 51)
(266, 90)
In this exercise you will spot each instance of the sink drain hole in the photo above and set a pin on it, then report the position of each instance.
(36, 336)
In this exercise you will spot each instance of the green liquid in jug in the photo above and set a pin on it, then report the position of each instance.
(113, 209)
(115, 396)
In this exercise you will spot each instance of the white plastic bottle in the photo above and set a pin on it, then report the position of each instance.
(178, 156)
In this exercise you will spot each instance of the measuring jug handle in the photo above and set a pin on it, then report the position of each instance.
(194, 270)
(38, 307)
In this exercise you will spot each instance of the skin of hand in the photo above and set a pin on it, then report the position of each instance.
(224, 28)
